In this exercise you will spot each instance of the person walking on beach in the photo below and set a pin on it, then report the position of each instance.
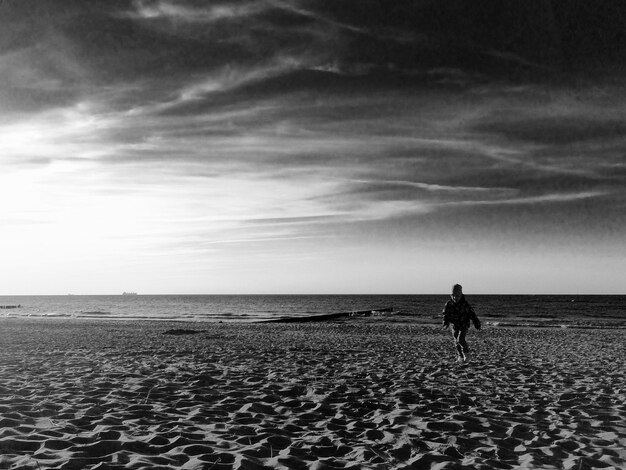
(457, 316)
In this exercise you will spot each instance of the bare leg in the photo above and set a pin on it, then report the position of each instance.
(462, 341)
(459, 342)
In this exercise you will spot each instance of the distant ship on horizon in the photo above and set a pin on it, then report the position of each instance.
(129, 293)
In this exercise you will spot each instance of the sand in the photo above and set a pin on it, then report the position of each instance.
(365, 393)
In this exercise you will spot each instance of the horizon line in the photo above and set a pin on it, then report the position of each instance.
(311, 294)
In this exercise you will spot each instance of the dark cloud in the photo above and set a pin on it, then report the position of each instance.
(307, 90)
(553, 222)
(508, 39)
(277, 17)
(313, 47)
(557, 129)
(592, 34)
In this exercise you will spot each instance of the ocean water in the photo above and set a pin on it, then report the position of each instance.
(493, 310)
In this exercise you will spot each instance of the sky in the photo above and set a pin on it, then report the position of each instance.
(312, 146)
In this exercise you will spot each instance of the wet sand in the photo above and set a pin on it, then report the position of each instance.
(364, 393)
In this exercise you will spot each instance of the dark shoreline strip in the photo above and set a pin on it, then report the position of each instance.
(329, 316)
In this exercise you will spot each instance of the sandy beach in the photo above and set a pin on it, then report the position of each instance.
(364, 393)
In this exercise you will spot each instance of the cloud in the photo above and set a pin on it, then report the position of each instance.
(294, 220)
(39, 77)
(451, 189)
(422, 155)
(557, 130)
(161, 9)
(280, 123)
(420, 193)
(532, 200)
(60, 134)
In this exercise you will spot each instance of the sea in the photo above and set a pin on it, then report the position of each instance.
(558, 311)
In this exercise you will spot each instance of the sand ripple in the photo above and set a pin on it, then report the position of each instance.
(361, 394)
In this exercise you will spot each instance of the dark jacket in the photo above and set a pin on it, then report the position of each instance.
(460, 314)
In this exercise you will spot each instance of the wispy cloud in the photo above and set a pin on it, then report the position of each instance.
(449, 189)
(531, 200)
(64, 133)
(163, 9)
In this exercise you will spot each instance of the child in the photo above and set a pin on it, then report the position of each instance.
(457, 315)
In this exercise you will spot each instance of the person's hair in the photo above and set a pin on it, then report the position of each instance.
(457, 288)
